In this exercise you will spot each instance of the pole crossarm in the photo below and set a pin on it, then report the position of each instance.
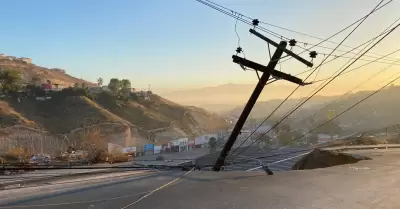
(287, 51)
(264, 69)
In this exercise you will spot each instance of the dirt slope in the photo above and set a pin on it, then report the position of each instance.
(61, 115)
(29, 71)
(159, 113)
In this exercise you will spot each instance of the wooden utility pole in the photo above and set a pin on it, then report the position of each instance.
(267, 72)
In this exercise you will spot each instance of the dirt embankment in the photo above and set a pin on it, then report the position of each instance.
(323, 158)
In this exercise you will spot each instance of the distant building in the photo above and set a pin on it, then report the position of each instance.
(144, 94)
(95, 90)
(47, 86)
(3, 55)
(325, 138)
(25, 59)
(58, 70)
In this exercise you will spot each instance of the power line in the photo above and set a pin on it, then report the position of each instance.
(342, 73)
(319, 126)
(354, 29)
(340, 50)
(240, 16)
(358, 85)
(361, 66)
(362, 19)
(351, 107)
(336, 57)
(331, 79)
(287, 115)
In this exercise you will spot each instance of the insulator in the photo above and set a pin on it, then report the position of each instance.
(255, 22)
(313, 54)
(292, 42)
(239, 50)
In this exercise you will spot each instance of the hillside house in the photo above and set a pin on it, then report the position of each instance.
(58, 70)
(25, 59)
(51, 86)
(96, 89)
(47, 86)
(144, 94)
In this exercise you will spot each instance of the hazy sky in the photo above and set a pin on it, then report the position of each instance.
(178, 43)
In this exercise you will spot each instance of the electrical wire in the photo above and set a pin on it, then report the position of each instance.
(234, 14)
(351, 90)
(287, 115)
(340, 50)
(339, 56)
(240, 18)
(325, 58)
(361, 66)
(362, 19)
(348, 109)
(342, 73)
(357, 86)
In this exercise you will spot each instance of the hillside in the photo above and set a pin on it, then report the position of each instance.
(264, 108)
(31, 72)
(161, 113)
(70, 118)
(77, 120)
(378, 111)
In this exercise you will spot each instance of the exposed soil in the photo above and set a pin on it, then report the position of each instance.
(322, 159)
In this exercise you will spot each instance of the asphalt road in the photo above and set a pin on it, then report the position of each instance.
(102, 195)
(332, 187)
(277, 159)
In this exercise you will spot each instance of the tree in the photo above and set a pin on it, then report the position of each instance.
(10, 80)
(76, 85)
(100, 82)
(84, 86)
(125, 88)
(213, 144)
(114, 85)
(125, 83)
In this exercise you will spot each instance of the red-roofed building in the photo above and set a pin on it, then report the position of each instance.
(47, 86)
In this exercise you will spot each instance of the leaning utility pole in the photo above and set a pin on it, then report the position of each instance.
(267, 72)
